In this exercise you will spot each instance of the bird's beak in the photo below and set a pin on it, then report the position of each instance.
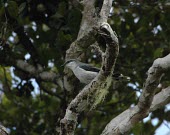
(63, 64)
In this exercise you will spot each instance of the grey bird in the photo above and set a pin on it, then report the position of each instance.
(85, 72)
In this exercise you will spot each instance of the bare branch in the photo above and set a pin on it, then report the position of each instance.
(40, 75)
(161, 99)
(93, 93)
(86, 35)
(75, 51)
(104, 13)
(88, 20)
(126, 120)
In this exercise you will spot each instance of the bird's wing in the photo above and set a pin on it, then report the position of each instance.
(88, 67)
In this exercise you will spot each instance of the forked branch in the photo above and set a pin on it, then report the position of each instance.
(126, 120)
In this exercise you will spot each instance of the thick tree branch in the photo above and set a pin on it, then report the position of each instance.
(88, 19)
(93, 93)
(126, 120)
(88, 27)
(105, 11)
(40, 75)
(160, 99)
(86, 36)
(84, 40)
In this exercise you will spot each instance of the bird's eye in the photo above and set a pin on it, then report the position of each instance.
(70, 63)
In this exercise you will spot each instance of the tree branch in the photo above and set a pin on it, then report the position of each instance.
(36, 71)
(32, 71)
(3, 130)
(93, 93)
(105, 11)
(86, 35)
(88, 27)
(88, 19)
(126, 120)
(160, 99)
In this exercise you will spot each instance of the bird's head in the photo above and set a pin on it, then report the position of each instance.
(72, 63)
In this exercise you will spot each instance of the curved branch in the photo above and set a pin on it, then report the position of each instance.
(161, 99)
(86, 35)
(93, 93)
(126, 120)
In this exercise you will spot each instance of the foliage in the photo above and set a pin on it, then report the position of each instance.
(40, 32)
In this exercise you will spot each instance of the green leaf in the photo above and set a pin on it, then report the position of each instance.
(158, 52)
(56, 16)
(22, 7)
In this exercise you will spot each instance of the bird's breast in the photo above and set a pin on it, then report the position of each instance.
(84, 76)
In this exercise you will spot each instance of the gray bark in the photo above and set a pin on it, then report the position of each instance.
(99, 86)
(3, 130)
(147, 101)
